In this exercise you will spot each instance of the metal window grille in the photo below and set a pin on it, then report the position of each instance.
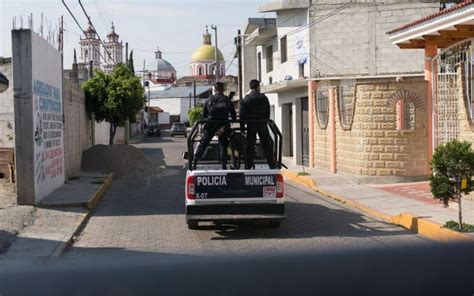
(409, 117)
(322, 107)
(346, 98)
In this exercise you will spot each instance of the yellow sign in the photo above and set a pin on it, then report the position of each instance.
(463, 184)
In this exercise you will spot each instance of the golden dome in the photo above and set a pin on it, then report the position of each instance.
(206, 52)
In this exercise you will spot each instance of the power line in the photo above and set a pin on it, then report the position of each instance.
(98, 36)
(88, 38)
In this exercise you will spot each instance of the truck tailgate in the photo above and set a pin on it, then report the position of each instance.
(235, 184)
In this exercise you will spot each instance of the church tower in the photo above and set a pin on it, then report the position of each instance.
(90, 47)
(114, 48)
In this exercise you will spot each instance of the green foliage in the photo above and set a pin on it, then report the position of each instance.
(303, 174)
(451, 164)
(455, 226)
(195, 114)
(114, 97)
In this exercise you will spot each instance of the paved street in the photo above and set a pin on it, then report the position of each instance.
(148, 216)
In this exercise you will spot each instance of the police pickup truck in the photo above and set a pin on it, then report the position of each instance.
(226, 196)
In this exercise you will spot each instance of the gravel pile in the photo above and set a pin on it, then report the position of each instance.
(124, 161)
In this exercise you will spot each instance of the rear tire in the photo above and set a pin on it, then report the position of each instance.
(193, 225)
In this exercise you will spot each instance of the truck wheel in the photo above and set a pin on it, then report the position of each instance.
(193, 224)
(274, 223)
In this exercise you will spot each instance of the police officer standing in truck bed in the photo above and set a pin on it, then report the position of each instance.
(255, 106)
(217, 108)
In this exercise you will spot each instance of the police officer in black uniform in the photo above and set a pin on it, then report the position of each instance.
(255, 106)
(217, 108)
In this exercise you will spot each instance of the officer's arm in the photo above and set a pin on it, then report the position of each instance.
(233, 114)
(205, 112)
(267, 108)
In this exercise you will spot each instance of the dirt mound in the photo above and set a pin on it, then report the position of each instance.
(124, 161)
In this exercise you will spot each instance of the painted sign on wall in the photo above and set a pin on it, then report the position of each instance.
(47, 117)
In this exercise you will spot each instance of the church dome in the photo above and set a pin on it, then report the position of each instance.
(165, 66)
(206, 51)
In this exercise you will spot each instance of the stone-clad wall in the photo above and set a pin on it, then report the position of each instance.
(373, 147)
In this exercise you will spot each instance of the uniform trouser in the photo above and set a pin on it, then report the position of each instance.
(208, 134)
(265, 140)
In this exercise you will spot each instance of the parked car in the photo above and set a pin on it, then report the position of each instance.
(178, 128)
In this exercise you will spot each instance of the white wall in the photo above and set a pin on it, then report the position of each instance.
(287, 23)
(47, 115)
(163, 118)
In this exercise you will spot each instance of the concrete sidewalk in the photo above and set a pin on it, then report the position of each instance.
(53, 228)
(376, 199)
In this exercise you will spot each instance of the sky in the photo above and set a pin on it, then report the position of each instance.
(176, 26)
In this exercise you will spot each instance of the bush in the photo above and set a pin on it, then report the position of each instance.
(453, 168)
(455, 226)
(195, 114)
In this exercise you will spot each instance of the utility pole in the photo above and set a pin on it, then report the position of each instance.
(126, 54)
(239, 53)
(194, 86)
(216, 61)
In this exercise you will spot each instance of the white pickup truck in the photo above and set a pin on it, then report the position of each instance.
(226, 196)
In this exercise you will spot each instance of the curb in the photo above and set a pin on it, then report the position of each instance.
(84, 218)
(419, 225)
(97, 196)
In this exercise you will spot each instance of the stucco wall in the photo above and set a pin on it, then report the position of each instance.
(374, 147)
(76, 127)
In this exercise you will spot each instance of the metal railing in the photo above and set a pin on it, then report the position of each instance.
(275, 134)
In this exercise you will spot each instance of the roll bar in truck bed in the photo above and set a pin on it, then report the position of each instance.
(277, 137)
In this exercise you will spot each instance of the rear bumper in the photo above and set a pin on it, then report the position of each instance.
(234, 212)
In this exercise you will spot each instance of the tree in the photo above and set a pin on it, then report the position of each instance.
(195, 114)
(130, 65)
(114, 97)
(453, 168)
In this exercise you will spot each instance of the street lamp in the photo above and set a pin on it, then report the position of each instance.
(4, 83)
(146, 83)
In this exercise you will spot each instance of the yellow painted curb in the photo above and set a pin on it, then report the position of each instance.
(419, 225)
(304, 180)
(95, 198)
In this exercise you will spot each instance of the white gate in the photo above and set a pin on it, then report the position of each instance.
(453, 69)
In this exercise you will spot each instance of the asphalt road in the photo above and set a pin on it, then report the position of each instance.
(147, 216)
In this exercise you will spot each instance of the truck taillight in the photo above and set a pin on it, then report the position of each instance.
(190, 187)
(280, 186)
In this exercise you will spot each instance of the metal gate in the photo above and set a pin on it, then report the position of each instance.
(453, 68)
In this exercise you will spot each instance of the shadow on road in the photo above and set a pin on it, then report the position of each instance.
(306, 221)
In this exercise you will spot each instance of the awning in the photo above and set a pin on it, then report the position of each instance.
(441, 29)
(154, 109)
(284, 85)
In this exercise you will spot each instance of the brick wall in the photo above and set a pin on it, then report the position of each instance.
(7, 120)
(373, 147)
(353, 41)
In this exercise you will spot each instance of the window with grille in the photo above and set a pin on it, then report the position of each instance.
(346, 97)
(283, 50)
(322, 107)
(269, 58)
(406, 114)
